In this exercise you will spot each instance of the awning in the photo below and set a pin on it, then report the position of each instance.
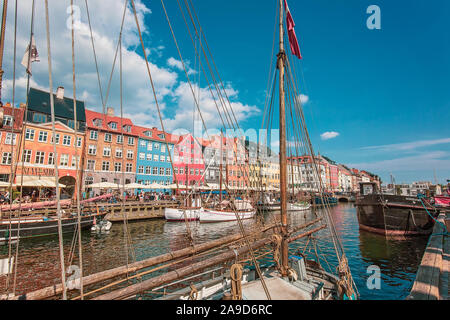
(36, 181)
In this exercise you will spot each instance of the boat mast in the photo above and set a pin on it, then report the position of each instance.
(283, 171)
(2, 45)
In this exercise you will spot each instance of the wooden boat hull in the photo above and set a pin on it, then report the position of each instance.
(269, 207)
(38, 227)
(221, 216)
(394, 215)
(176, 214)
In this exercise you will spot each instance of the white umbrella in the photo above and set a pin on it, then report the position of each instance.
(135, 186)
(104, 185)
(156, 186)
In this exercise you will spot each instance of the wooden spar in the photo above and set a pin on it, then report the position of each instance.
(283, 172)
(2, 44)
(300, 236)
(108, 274)
(179, 273)
(185, 271)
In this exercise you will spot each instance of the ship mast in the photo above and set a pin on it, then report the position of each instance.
(2, 43)
(283, 171)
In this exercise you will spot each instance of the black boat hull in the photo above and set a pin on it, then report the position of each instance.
(394, 215)
(30, 228)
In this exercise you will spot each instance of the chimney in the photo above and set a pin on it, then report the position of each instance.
(60, 93)
(110, 112)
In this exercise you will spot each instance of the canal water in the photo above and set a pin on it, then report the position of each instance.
(397, 260)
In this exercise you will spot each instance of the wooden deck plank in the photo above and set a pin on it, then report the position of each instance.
(430, 277)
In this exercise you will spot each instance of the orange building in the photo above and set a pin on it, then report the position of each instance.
(111, 149)
(9, 140)
(38, 157)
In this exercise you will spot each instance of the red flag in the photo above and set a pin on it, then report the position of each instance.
(295, 48)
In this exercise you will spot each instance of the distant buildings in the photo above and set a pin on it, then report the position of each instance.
(108, 148)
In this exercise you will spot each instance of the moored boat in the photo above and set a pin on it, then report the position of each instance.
(299, 206)
(393, 215)
(39, 226)
(182, 214)
(224, 212)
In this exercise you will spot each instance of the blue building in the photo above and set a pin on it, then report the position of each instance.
(153, 161)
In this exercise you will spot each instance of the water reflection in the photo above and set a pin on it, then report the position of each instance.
(398, 260)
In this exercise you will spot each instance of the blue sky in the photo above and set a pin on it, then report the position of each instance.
(385, 92)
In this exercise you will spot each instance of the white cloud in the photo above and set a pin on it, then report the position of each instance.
(329, 135)
(138, 100)
(408, 145)
(303, 98)
(439, 160)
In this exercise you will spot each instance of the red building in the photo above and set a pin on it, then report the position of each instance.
(188, 161)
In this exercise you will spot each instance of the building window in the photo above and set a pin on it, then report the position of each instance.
(141, 156)
(149, 156)
(40, 157)
(127, 128)
(39, 117)
(148, 170)
(119, 153)
(148, 133)
(51, 158)
(104, 179)
(119, 139)
(196, 172)
(7, 120)
(117, 166)
(89, 181)
(161, 171)
(79, 142)
(43, 136)
(131, 141)
(75, 160)
(10, 137)
(155, 171)
(163, 148)
(156, 146)
(29, 134)
(107, 152)
(6, 159)
(108, 137)
(162, 159)
(97, 122)
(67, 141)
(64, 160)
(94, 135)
(155, 157)
(141, 169)
(129, 167)
(113, 125)
(175, 170)
(71, 124)
(150, 146)
(142, 143)
(168, 172)
(57, 138)
(92, 150)
(26, 156)
(90, 165)
(130, 154)
(105, 166)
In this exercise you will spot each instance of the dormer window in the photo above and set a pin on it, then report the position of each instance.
(7, 121)
(97, 122)
(113, 125)
(127, 128)
(161, 136)
(148, 133)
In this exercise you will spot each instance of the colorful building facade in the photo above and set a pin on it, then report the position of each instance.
(154, 152)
